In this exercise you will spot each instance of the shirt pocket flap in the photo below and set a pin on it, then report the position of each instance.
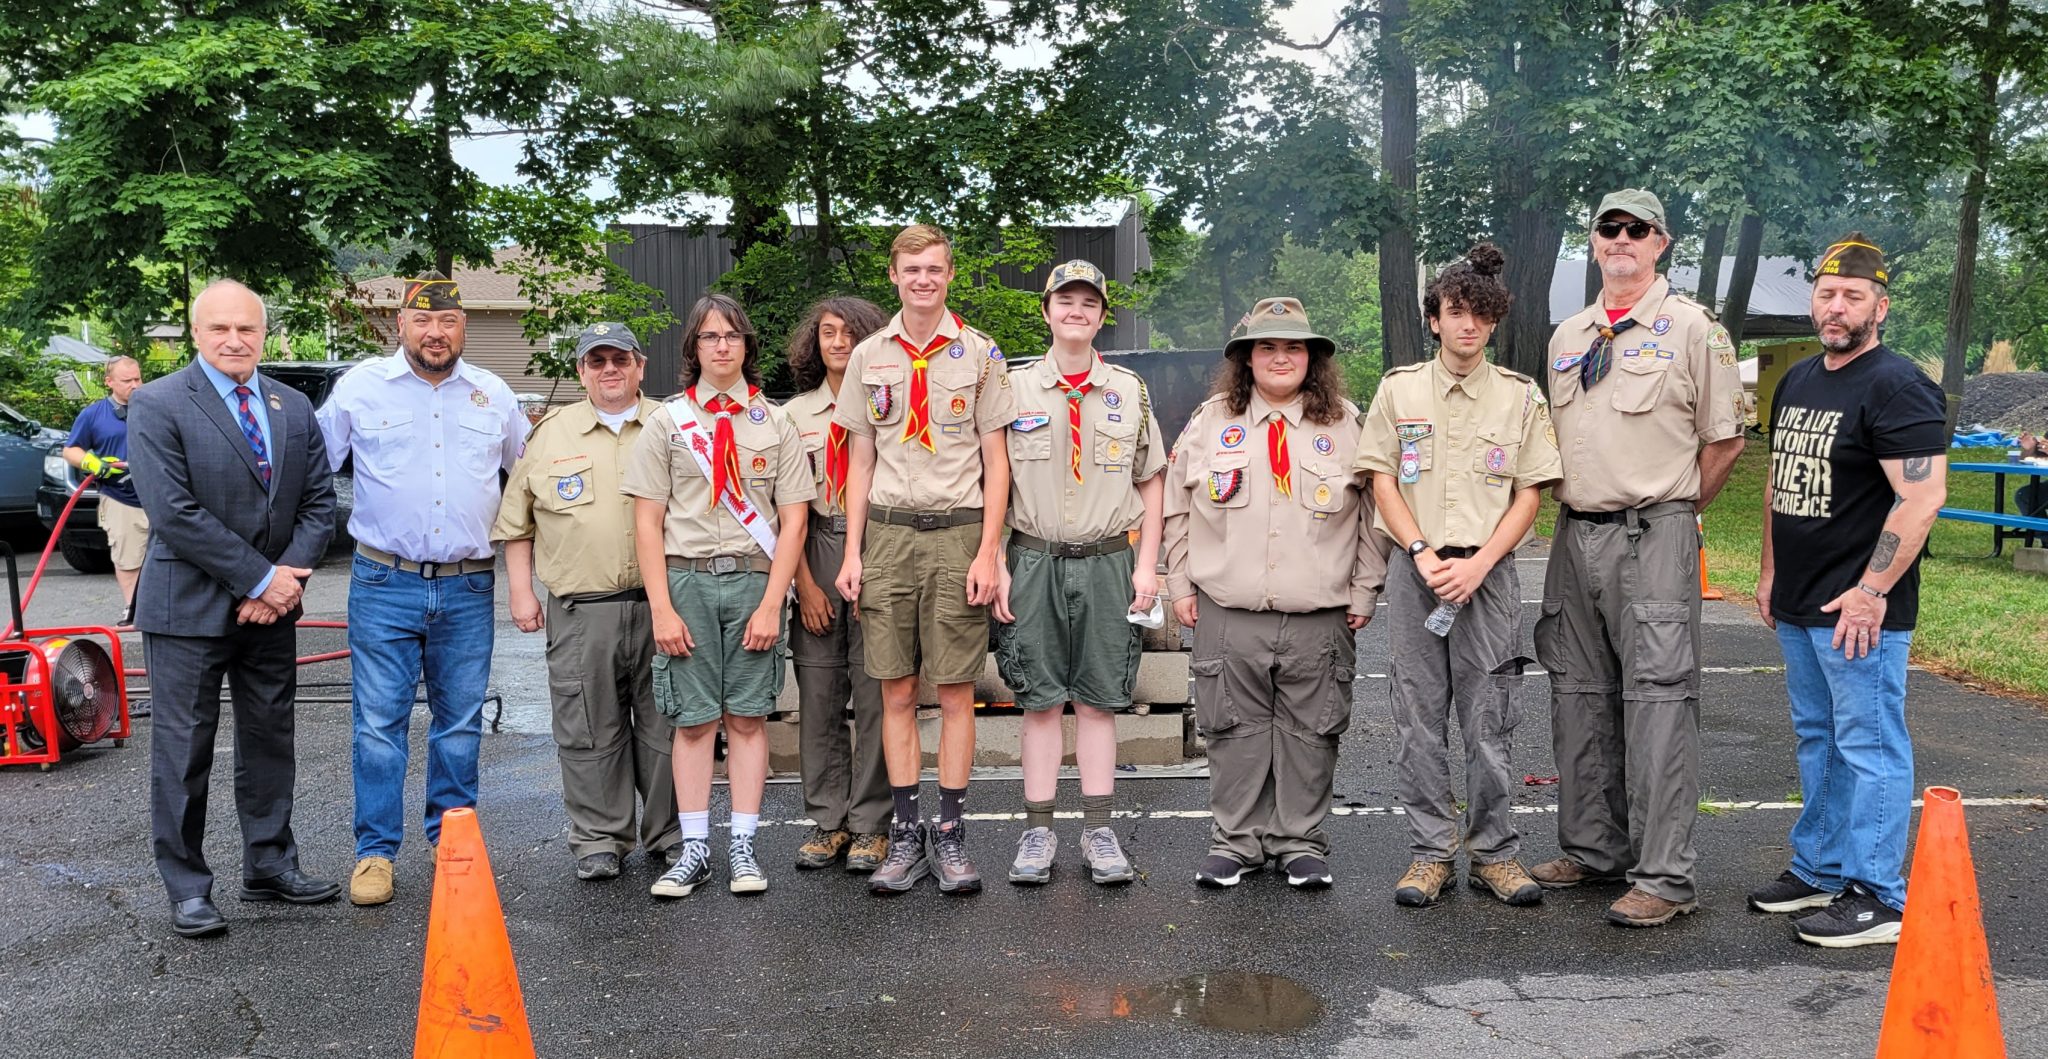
(1229, 461)
(1497, 450)
(481, 420)
(569, 466)
(392, 420)
(1322, 484)
(1638, 382)
(881, 375)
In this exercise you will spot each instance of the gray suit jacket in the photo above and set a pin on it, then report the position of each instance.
(214, 530)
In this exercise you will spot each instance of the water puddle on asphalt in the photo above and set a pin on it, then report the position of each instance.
(1236, 1001)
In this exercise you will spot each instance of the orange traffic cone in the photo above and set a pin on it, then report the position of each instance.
(1941, 1004)
(470, 1005)
(1707, 591)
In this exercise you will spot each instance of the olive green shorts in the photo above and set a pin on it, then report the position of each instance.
(913, 604)
(1071, 641)
(718, 676)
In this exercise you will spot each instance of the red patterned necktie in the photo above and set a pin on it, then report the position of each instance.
(835, 465)
(917, 415)
(1074, 395)
(1276, 454)
(725, 453)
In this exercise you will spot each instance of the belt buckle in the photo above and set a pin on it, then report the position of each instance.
(430, 571)
(725, 564)
(1069, 550)
(925, 520)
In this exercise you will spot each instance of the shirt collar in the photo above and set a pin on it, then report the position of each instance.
(1474, 384)
(398, 365)
(1258, 409)
(581, 417)
(222, 383)
(814, 402)
(738, 391)
(1646, 309)
(947, 327)
(1049, 375)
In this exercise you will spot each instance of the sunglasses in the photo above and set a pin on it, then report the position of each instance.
(597, 363)
(1637, 230)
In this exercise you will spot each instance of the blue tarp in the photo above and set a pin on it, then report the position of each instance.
(1984, 439)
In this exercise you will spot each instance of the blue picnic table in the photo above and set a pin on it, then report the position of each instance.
(2003, 524)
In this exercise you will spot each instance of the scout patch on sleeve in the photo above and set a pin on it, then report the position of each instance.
(1726, 358)
(1718, 340)
(1410, 431)
(1030, 421)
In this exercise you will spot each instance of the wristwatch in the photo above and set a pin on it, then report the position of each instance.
(1417, 546)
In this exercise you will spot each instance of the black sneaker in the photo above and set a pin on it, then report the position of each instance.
(906, 862)
(948, 855)
(692, 868)
(1220, 871)
(1308, 872)
(1789, 893)
(1857, 917)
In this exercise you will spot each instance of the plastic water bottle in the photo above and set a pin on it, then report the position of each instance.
(1440, 619)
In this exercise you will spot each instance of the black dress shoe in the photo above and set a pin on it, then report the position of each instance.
(195, 917)
(292, 885)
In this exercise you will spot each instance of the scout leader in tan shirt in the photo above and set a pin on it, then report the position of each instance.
(723, 492)
(1459, 451)
(1268, 526)
(562, 504)
(1644, 390)
(1086, 466)
(927, 401)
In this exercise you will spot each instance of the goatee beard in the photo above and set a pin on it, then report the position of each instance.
(1854, 339)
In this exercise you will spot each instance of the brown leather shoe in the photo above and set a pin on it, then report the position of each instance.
(823, 848)
(370, 883)
(867, 853)
(1565, 873)
(1508, 880)
(1641, 908)
(1422, 883)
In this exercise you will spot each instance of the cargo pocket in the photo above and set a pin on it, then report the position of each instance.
(665, 698)
(1506, 716)
(1336, 717)
(1214, 712)
(571, 713)
(1661, 659)
(1549, 638)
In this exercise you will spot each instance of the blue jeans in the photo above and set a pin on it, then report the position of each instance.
(1855, 761)
(396, 622)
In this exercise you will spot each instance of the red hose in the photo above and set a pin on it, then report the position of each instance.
(48, 547)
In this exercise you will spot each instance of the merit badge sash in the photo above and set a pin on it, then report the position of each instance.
(736, 504)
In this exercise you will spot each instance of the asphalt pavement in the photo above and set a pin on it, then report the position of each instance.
(818, 967)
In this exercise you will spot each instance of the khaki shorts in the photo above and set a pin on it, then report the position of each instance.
(127, 530)
(913, 604)
(1071, 641)
(719, 676)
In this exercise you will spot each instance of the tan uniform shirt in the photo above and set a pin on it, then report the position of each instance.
(812, 413)
(564, 496)
(1252, 548)
(772, 471)
(1458, 448)
(1119, 448)
(1635, 439)
(970, 396)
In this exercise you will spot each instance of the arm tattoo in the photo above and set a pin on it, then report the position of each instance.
(1918, 468)
(1887, 548)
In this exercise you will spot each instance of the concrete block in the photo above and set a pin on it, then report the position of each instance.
(1162, 679)
(2030, 560)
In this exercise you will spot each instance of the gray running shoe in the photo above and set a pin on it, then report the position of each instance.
(1105, 857)
(906, 862)
(948, 855)
(1033, 866)
(745, 871)
(692, 868)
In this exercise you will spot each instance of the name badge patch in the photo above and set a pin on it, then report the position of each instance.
(1030, 421)
(1410, 431)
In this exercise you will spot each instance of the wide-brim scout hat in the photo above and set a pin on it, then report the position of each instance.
(597, 336)
(1071, 273)
(1276, 318)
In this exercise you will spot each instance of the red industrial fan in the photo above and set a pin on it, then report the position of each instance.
(60, 689)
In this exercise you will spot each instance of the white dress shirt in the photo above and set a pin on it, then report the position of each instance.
(427, 456)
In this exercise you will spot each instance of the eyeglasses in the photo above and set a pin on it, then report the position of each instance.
(1638, 230)
(622, 362)
(712, 338)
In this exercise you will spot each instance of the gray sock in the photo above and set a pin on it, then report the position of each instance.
(1037, 814)
(1095, 810)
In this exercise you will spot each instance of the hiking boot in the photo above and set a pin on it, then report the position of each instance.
(866, 853)
(1422, 883)
(904, 864)
(1508, 880)
(1641, 908)
(1105, 858)
(1855, 918)
(370, 883)
(822, 848)
(1308, 872)
(692, 868)
(1221, 871)
(1565, 873)
(603, 865)
(1033, 866)
(741, 867)
(948, 855)
(1789, 893)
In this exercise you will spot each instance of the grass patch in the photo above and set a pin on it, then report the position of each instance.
(1978, 617)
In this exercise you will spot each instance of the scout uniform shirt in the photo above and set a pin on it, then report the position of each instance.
(564, 496)
(771, 464)
(812, 413)
(926, 458)
(1077, 485)
(1634, 439)
(1232, 531)
(1458, 448)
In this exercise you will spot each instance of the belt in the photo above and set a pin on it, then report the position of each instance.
(925, 520)
(1609, 518)
(721, 564)
(827, 523)
(1071, 549)
(426, 570)
(630, 595)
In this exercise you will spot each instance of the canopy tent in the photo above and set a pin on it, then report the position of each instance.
(1778, 300)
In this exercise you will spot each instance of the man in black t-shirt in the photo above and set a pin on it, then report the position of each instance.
(1859, 469)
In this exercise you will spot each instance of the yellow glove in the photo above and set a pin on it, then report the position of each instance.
(106, 468)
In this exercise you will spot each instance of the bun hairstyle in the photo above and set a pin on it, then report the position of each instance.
(1473, 282)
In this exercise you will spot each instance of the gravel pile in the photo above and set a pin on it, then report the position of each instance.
(2010, 401)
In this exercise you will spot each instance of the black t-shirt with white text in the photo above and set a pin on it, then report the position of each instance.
(1829, 496)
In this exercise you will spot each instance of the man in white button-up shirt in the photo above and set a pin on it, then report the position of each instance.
(430, 434)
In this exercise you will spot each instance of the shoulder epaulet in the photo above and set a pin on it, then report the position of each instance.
(1417, 366)
(1686, 299)
(549, 414)
(1513, 374)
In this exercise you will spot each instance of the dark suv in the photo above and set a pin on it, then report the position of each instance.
(84, 544)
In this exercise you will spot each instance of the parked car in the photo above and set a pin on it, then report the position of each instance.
(23, 444)
(84, 544)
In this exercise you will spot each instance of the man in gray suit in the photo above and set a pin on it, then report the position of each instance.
(232, 471)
